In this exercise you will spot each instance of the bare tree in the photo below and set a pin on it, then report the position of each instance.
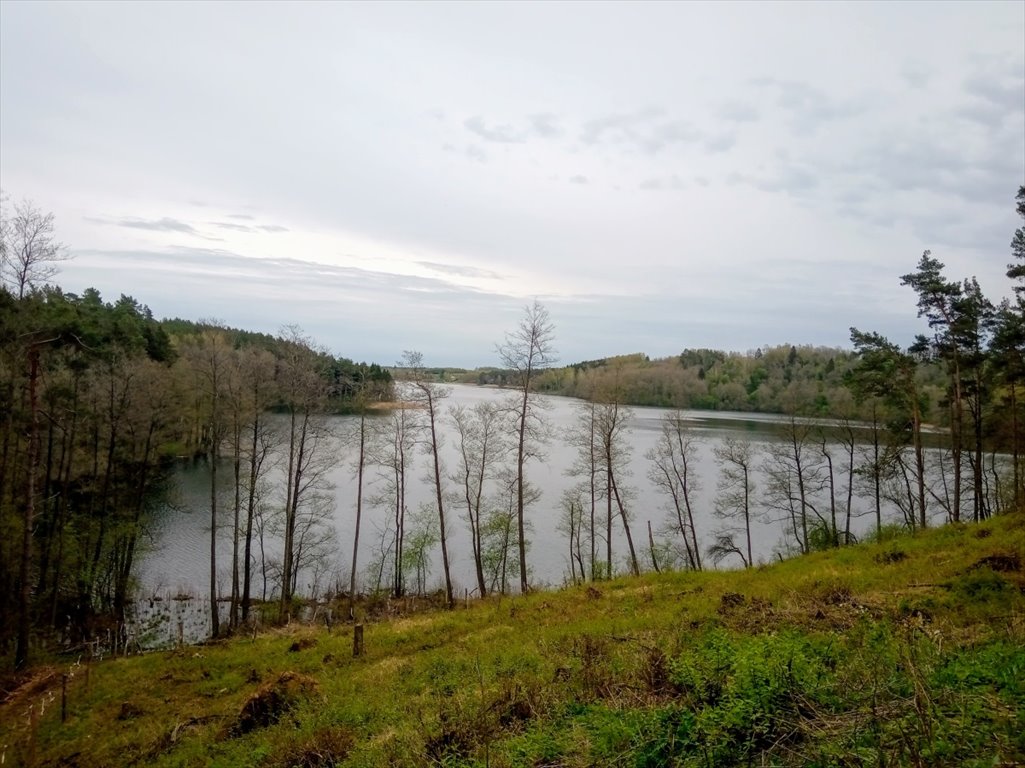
(258, 373)
(571, 522)
(480, 446)
(584, 436)
(672, 458)
(363, 437)
(420, 540)
(212, 360)
(611, 419)
(734, 456)
(498, 529)
(30, 252)
(793, 475)
(427, 395)
(526, 351)
(391, 453)
(310, 448)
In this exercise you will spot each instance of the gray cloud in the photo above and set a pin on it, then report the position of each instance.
(660, 183)
(645, 130)
(721, 143)
(789, 178)
(461, 270)
(360, 313)
(994, 98)
(808, 106)
(248, 227)
(373, 315)
(920, 146)
(545, 125)
(1007, 91)
(470, 151)
(916, 76)
(233, 227)
(738, 112)
(165, 224)
(578, 179)
(649, 131)
(499, 134)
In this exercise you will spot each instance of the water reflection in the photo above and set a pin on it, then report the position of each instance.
(176, 560)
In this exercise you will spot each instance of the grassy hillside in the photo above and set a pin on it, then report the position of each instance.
(907, 652)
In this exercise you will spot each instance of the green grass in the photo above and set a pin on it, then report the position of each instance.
(906, 652)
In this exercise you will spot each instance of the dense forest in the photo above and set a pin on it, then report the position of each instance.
(100, 398)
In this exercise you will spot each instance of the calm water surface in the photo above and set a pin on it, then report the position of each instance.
(177, 556)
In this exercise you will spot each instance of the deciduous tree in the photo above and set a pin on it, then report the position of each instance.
(527, 351)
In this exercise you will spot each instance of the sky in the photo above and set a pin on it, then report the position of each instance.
(396, 176)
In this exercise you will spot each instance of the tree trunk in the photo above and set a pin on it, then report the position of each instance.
(21, 654)
(651, 545)
(359, 510)
(441, 505)
(520, 460)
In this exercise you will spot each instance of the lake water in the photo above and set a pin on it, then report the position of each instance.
(175, 560)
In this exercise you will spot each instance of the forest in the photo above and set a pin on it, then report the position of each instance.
(101, 399)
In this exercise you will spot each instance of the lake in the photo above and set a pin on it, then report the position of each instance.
(175, 559)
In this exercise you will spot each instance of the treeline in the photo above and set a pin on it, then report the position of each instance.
(97, 399)
(759, 381)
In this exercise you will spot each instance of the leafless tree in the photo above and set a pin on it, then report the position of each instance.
(735, 457)
(671, 460)
(212, 360)
(526, 351)
(611, 423)
(498, 529)
(365, 435)
(30, 253)
(427, 394)
(310, 449)
(261, 440)
(392, 454)
(584, 437)
(793, 474)
(479, 431)
(571, 523)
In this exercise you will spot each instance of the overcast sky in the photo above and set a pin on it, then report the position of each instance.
(408, 176)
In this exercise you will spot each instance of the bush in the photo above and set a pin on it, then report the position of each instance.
(981, 585)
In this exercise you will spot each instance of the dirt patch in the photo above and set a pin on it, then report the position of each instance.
(730, 601)
(1000, 562)
(327, 747)
(837, 595)
(26, 687)
(302, 644)
(272, 701)
(129, 711)
(890, 556)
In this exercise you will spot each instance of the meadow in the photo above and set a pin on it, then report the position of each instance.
(905, 651)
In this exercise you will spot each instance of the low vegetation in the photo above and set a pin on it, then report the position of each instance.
(906, 651)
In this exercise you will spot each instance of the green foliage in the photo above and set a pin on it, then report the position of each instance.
(119, 396)
(981, 585)
(832, 659)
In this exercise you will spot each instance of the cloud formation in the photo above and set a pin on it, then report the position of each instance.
(646, 179)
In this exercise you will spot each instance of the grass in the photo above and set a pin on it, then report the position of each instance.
(906, 652)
